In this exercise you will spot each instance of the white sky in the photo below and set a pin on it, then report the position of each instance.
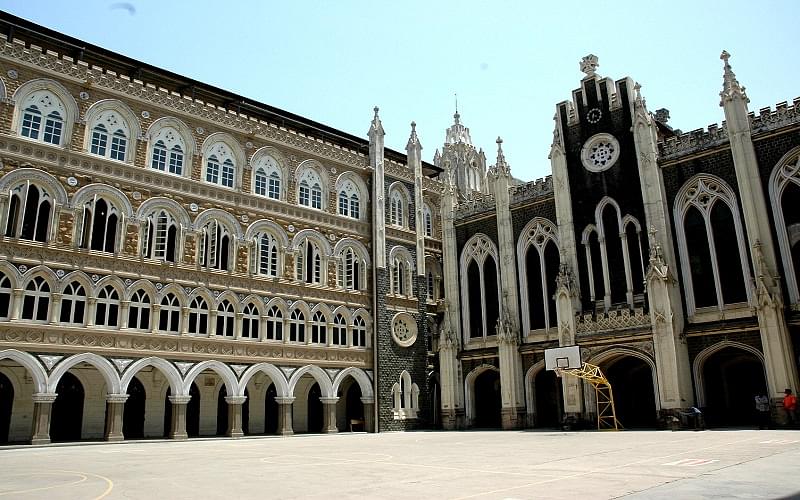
(509, 62)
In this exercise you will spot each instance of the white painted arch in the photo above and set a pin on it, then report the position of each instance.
(319, 375)
(275, 375)
(165, 367)
(364, 383)
(220, 368)
(103, 365)
(34, 367)
(469, 388)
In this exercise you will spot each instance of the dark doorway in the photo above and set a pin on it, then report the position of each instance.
(222, 412)
(314, 409)
(246, 413)
(547, 387)
(354, 409)
(167, 413)
(271, 411)
(192, 412)
(133, 416)
(732, 378)
(634, 398)
(436, 405)
(488, 401)
(67, 415)
(6, 404)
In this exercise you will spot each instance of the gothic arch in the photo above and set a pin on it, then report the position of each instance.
(530, 394)
(69, 103)
(105, 368)
(275, 375)
(45, 179)
(167, 204)
(166, 368)
(478, 248)
(236, 152)
(269, 226)
(617, 352)
(702, 357)
(314, 235)
(221, 216)
(598, 214)
(469, 388)
(125, 112)
(538, 233)
(113, 194)
(142, 284)
(183, 130)
(359, 248)
(218, 367)
(364, 383)
(34, 367)
(79, 276)
(786, 172)
(319, 375)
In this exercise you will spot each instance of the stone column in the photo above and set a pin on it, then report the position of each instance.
(566, 295)
(178, 424)
(115, 409)
(155, 318)
(184, 329)
(235, 415)
(91, 307)
(55, 307)
(124, 308)
(16, 307)
(42, 409)
(369, 411)
(285, 416)
(414, 155)
(329, 415)
(767, 295)
(237, 326)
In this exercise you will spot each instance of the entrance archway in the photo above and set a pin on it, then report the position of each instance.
(354, 408)
(732, 377)
(271, 410)
(631, 380)
(67, 413)
(548, 399)
(6, 405)
(488, 401)
(133, 416)
(246, 414)
(222, 412)
(315, 419)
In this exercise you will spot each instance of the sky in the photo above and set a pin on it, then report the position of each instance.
(509, 62)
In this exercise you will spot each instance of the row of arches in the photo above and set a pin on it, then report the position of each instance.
(727, 376)
(81, 386)
(39, 295)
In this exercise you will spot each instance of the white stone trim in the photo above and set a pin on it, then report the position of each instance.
(478, 248)
(784, 173)
(702, 357)
(539, 232)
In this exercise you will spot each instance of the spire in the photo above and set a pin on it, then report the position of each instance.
(376, 127)
(501, 166)
(457, 133)
(413, 140)
(730, 85)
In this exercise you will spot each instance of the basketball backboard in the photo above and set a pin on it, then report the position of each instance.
(562, 358)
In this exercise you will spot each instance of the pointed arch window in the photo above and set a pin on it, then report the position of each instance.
(784, 189)
(266, 249)
(319, 328)
(73, 304)
(216, 249)
(309, 265)
(250, 322)
(110, 134)
(101, 219)
(480, 287)
(5, 296)
(169, 318)
(274, 324)
(349, 200)
(198, 316)
(405, 398)
(401, 274)
(226, 319)
(397, 209)
(168, 153)
(297, 327)
(267, 177)
(107, 307)
(36, 302)
(359, 332)
(161, 238)
(339, 331)
(139, 311)
(538, 263)
(32, 118)
(429, 285)
(351, 270)
(709, 232)
(30, 210)
(428, 221)
(309, 191)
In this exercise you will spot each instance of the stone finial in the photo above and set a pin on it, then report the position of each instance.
(730, 85)
(376, 109)
(413, 140)
(501, 166)
(375, 127)
(662, 115)
(589, 65)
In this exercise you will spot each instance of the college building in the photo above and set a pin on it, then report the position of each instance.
(177, 260)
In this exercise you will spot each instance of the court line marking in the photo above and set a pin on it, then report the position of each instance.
(571, 476)
(43, 488)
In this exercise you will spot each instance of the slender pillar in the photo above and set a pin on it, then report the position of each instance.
(369, 409)
(42, 409)
(566, 294)
(285, 416)
(235, 415)
(115, 409)
(329, 415)
(178, 424)
(16, 307)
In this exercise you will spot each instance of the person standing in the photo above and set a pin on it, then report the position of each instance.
(790, 407)
(762, 408)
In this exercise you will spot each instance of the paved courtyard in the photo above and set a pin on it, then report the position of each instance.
(709, 464)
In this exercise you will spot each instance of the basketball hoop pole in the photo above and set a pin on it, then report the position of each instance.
(606, 414)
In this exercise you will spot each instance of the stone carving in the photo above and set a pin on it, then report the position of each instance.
(121, 364)
(588, 323)
(183, 366)
(589, 65)
(50, 361)
(540, 188)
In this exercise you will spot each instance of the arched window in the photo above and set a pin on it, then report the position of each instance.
(538, 263)
(716, 271)
(36, 304)
(101, 220)
(405, 398)
(784, 189)
(73, 304)
(274, 324)
(226, 319)
(267, 177)
(198, 316)
(168, 151)
(107, 307)
(429, 283)
(480, 287)
(139, 311)
(351, 270)
(310, 191)
(216, 246)
(319, 328)
(169, 319)
(110, 135)
(297, 327)
(161, 238)
(339, 331)
(359, 332)
(349, 200)
(220, 165)
(5, 296)
(266, 249)
(309, 265)
(426, 213)
(30, 209)
(397, 208)
(42, 117)
(401, 272)
(250, 322)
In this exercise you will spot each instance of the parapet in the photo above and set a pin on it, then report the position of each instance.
(783, 115)
(540, 188)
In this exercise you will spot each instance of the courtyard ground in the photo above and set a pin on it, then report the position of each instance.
(579, 465)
